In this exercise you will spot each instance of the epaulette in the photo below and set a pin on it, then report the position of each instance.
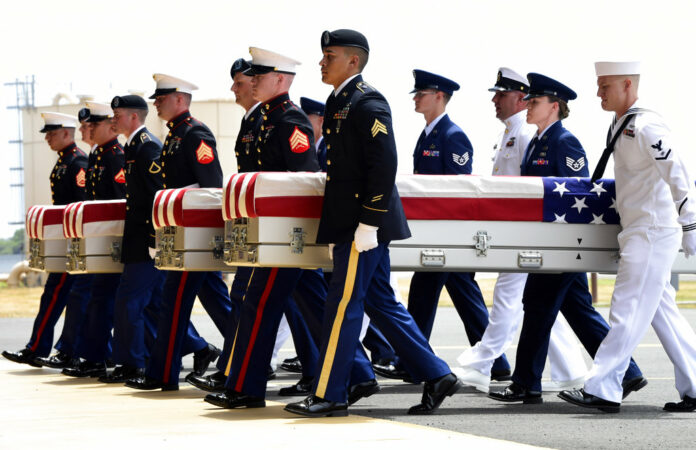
(144, 138)
(363, 86)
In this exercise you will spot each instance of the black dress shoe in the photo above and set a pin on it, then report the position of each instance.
(434, 392)
(86, 369)
(314, 406)
(231, 399)
(517, 393)
(146, 383)
(687, 404)
(208, 383)
(302, 387)
(60, 360)
(501, 375)
(292, 365)
(387, 369)
(203, 358)
(362, 390)
(23, 356)
(270, 374)
(633, 385)
(581, 398)
(121, 374)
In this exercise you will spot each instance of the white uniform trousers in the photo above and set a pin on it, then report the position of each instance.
(643, 295)
(565, 355)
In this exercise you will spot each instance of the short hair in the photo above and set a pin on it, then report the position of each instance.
(141, 113)
(186, 96)
(447, 97)
(563, 110)
(362, 55)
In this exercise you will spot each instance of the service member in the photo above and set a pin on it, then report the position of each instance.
(67, 186)
(554, 151)
(315, 112)
(656, 201)
(567, 362)
(361, 214)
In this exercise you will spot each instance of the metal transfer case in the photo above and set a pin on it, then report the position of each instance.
(94, 230)
(189, 229)
(47, 244)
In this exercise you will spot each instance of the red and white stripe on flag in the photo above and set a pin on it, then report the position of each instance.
(94, 218)
(188, 207)
(45, 222)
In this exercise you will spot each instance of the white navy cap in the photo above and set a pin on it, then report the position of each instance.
(264, 61)
(605, 68)
(99, 111)
(166, 84)
(54, 121)
(509, 80)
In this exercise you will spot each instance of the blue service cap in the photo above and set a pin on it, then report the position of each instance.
(541, 86)
(128, 101)
(239, 65)
(344, 38)
(310, 106)
(426, 80)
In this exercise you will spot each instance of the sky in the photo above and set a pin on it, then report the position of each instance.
(108, 48)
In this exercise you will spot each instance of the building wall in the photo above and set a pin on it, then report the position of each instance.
(222, 117)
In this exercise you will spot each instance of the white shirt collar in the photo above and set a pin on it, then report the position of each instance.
(251, 110)
(132, 135)
(340, 88)
(515, 119)
(318, 143)
(429, 128)
(94, 147)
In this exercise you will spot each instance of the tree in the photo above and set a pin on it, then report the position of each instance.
(13, 245)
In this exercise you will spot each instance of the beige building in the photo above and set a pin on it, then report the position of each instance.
(222, 117)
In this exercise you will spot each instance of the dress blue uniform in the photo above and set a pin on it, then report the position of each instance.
(310, 106)
(555, 153)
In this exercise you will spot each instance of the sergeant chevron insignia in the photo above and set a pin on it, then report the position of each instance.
(80, 178)
(460, 159)
(299, 142)
(378, 127)
(204, 153)
(154, 168)
(120, 177)
(575, 165)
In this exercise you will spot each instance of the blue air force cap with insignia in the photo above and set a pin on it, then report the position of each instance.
(310, 106)
(83, 114)
(344, 38)
(99, 112)
(264, 61)
(541, 86)
(128, 101)
(55, 121)
(239, 65)
(426, 80)
(166, 84)
(509, 80)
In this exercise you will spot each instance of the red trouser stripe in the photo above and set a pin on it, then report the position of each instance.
(56, 292)
(255, 330)
(172, 331)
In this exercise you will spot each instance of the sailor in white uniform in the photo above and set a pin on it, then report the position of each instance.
(568, 367)
(656, 201)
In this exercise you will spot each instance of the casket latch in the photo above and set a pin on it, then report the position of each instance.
(482, 245)
(297, 240)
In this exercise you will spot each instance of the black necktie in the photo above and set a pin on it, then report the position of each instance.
(602, 164)
(530, 149)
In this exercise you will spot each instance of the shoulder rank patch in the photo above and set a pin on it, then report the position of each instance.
(80, 178)
(378, 127)
(120, 177)
(661, 153)
(154, 168)
(299, 142)
(460, 159)
(204, 153)
(575, 165)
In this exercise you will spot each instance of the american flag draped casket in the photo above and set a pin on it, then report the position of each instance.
(94, 230)
(47, 244)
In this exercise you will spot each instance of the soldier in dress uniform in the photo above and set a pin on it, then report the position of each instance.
(554, 151)
(67, 186)
(315, 112)
(139, 291)
(361, 214)
(189, 159)
(567, 362)
(105, 181)
(656, 201)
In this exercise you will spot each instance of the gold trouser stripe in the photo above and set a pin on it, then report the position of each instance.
(229, 361)
(338, 322)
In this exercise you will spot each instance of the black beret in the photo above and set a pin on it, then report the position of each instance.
(128, 101)
(239, 65)
(344, 38)
(83, 114)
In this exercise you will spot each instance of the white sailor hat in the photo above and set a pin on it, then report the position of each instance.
(54, 121)
(264, 61)
(166, 84)
(99, 111)
(604, 68)
(509, 80)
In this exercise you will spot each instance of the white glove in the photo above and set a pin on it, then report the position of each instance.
(331, 247)
(152, 252)
(365, 237)
(689, 243)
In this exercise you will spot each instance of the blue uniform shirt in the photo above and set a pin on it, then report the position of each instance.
(556, 154)
(446, 150)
